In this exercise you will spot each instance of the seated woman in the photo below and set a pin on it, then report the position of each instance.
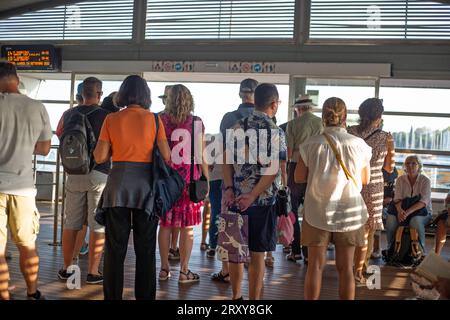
(409, 185)
(443, 223)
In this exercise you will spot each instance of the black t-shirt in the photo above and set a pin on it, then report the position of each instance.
(96, 119)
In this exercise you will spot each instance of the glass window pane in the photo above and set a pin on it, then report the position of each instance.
(415, 99)
(213, 100)
(352, 91)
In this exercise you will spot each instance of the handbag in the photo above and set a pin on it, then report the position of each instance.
(407, 203)
(285, 229)
(167, 183)
(198, 189)
(232, 239)
(283, 202)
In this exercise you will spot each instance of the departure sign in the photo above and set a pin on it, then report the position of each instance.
(32, 58)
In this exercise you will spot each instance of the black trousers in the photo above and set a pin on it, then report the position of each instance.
(119, 222)
(297, 198)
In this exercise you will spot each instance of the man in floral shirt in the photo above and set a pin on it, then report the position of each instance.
(252, 165)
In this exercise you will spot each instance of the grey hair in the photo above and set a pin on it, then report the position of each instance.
(415, 157)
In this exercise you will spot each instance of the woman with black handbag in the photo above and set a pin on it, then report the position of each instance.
(180, 124)
(130, 137)
(412, 201)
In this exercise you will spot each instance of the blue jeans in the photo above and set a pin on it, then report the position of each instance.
(215, 198)
(417, 222)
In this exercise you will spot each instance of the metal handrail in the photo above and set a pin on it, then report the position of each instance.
(56, 199)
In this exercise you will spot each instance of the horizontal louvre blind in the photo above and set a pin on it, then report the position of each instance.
(388, 19)
(85, 20)
(216, 19)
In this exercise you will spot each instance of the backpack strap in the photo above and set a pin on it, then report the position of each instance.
(415, 246)
(157, 128)
(398, 239)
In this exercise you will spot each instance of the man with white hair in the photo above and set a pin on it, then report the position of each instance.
(304, 126)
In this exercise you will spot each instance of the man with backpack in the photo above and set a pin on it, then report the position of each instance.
(24, 130)
(78, 131)
(246, 93)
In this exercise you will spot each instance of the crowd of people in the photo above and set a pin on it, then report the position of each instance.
(334, 174)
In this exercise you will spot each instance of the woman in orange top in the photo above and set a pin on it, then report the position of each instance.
(129, 136)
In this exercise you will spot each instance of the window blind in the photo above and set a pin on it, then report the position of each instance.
(388, 19)
(85, 20)
(220, 19)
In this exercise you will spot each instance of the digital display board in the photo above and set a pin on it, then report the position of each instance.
(32, 57)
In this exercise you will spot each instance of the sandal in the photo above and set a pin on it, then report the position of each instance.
(219, 276)
(360, 281)
(269, 261)
(294, 257)
(190, 277)
(204, 246)
(174, 254)
(164, 275)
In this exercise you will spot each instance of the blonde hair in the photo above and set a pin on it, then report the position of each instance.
(334, 112)
(179, 104)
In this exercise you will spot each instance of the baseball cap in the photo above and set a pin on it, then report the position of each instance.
(248, 85)
(80, 89)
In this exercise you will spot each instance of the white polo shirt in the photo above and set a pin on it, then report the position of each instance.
(332, 202)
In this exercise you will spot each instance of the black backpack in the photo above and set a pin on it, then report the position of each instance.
(406, 250)
(77, 143)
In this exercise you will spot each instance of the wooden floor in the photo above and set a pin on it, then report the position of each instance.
(282, 282)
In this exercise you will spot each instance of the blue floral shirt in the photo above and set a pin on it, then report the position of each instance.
(256, 153)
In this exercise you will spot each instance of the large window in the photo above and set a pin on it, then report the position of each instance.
(213, 100)
(417, 114)
(111, 19)
(386, 19)
(220, 19)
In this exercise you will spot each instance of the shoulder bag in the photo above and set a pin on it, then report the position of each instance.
(198, 189)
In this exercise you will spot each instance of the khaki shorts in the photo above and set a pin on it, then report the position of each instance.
(21, 216)
(82, 195)
(314, 237)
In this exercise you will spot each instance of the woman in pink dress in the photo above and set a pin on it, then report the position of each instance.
(185, 214)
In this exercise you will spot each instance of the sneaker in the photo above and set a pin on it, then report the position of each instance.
(211, 253)
(94, 278)
(376, 255)
(84, 249)
(63, 274)
(35, 296)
